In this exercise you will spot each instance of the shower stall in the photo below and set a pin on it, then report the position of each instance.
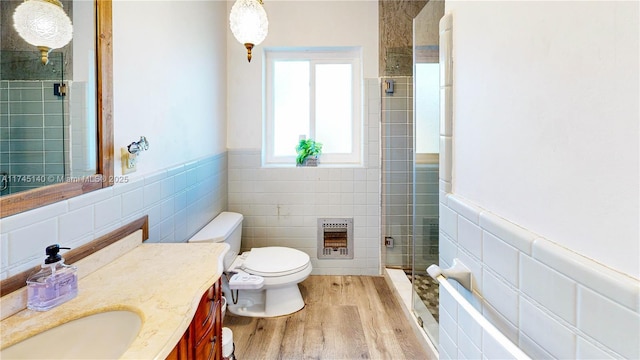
(410, 168)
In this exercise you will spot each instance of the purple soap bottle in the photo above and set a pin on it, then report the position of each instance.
(54, 284)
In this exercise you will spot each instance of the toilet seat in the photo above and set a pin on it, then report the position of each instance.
(275, 261)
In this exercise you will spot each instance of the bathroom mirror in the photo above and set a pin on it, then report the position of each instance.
(102, 103)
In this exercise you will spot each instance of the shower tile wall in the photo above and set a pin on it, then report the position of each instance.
(426, 208)
(397, 171)
(396, 35)
(32, 134)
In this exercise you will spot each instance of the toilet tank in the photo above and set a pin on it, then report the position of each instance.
(226, 227)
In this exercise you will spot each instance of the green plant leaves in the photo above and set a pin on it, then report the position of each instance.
(307, 148)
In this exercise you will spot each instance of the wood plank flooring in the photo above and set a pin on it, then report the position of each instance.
(345, 317)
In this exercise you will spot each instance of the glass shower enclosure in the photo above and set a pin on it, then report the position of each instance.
(410, 142)
(426, 121)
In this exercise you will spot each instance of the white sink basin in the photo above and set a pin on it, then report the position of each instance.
(105, 335)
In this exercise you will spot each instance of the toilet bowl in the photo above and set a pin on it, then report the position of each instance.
(262, 282)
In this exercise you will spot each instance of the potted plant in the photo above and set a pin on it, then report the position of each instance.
(308, 151)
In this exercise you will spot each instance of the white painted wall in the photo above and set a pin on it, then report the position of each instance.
(169, 75)
(293, 23)
(546, 120)
(169, 80)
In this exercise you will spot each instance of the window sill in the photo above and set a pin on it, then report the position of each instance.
(320, 166)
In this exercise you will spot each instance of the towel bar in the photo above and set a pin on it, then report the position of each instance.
(461, 273)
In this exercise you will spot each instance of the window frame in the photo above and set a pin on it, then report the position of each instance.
(334, 55)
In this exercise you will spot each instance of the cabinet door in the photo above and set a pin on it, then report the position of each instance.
(182, 350)
(206, 350)
(203, 338)
(205, 316)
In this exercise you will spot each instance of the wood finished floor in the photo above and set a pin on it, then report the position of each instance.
(345, 317)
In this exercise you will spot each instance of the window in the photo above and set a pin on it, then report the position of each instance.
(313, 94)
(427, 112)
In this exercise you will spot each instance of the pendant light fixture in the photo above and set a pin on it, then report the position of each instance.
(44, 24)
(249, 23)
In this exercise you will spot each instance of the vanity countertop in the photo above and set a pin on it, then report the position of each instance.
(163, 283)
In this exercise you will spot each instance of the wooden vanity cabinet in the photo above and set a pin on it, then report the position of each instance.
(203, 338)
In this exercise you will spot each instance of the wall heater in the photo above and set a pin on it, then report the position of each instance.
(335, 238)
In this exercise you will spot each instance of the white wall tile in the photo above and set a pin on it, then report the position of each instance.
(554, 303)
(167, 187)
(443, 355)
(446, 158)
(446, 71)
(132, 201)
(444, 186)
(446, 110)
(76, 224)
(552, 290)
(448, 339)
(30, 242)
(91, 198)
(4, 252)
(283, 209)
(448, 222)
(491, 349)
(470, 237)
(588, 350)
(532, 349)
(448, 251)
(467, 349)
(120, 188)
(107, 212)
(155, 177)
(464, 208)
(501, 296)
(500, 257)
(79, 220)
(603, 280)
(611, 324)
(449, 305)
(475, 266)
(14, 222)
(510, 233)
(506, 327)
(152, 193)
(552, 336)
(470, 327)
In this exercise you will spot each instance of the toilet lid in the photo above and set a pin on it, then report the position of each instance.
(275, 261)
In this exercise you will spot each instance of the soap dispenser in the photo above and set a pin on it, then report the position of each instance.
(54, 284)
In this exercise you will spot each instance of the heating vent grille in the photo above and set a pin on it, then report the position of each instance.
(335, 238)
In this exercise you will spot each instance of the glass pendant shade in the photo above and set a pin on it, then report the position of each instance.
(249, 23)
(43, 23)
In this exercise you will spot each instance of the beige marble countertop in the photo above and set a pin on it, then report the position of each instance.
(163, 283)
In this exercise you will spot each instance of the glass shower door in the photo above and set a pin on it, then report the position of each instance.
(426, 85)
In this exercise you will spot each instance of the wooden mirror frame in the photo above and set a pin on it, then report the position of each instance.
(31, 199)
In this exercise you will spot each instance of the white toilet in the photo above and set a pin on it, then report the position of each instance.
(262, 282)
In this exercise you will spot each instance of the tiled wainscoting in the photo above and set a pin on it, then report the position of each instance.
(426, 244)
(179, 201)
(281, 207)
(550, 301)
